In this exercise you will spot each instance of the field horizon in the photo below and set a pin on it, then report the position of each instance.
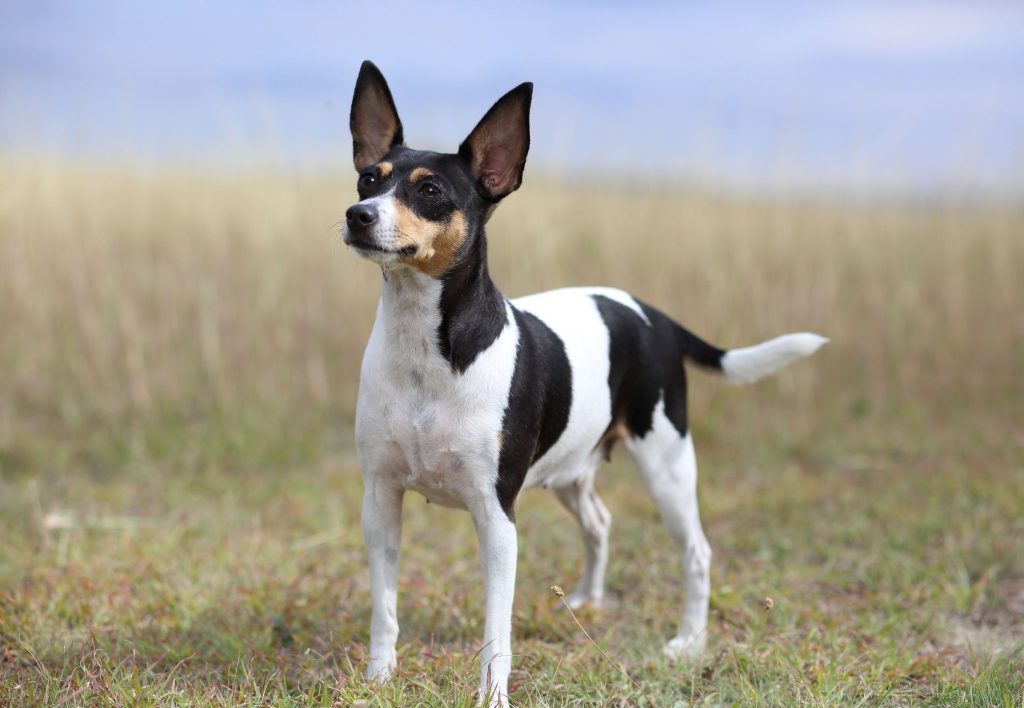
(179, 494)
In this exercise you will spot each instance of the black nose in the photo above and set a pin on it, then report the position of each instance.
(360, 216)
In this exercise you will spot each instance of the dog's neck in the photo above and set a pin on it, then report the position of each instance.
(457, 316)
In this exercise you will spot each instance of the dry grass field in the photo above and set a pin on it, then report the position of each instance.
(179, 499)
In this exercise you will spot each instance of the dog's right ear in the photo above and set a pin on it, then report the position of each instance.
(374, 121)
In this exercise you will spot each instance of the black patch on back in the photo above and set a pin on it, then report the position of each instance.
(538, 405)
(645, 362)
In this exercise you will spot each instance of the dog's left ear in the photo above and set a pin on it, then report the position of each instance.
(496, 149)
(374, 120)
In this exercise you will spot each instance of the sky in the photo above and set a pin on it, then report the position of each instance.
(862, 97)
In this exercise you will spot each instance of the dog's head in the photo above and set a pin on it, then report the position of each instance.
(418, 208)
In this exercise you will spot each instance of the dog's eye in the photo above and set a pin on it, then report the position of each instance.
(429, 189)
(368, 179)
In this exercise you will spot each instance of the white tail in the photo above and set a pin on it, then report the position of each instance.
(752, 363)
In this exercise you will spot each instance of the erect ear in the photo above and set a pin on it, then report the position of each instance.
(374, 121)
(496, 149)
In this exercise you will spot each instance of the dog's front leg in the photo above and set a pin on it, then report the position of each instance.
(382, 531)
(497, 534)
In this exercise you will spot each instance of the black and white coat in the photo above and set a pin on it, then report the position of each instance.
(468, 398)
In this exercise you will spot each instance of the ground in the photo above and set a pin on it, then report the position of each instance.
(179, 497)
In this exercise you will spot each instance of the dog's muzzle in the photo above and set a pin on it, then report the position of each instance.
(359, 221)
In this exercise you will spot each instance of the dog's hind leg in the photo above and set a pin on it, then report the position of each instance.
(669, 469)
(585, 505)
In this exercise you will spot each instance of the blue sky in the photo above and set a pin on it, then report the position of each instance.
(856, 96)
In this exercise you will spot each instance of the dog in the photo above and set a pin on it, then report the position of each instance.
(468, 398)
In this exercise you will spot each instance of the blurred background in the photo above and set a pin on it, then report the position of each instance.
(182, 330)
(854, 96)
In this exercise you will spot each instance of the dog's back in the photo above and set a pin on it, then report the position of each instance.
(622, 369)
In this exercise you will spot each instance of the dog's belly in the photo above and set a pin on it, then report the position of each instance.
(572, 315)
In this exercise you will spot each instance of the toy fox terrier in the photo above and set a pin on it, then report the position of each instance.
(468, 398)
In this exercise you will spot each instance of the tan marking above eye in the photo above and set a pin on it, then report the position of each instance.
(420, 173)
(384, 169)
(436, 242)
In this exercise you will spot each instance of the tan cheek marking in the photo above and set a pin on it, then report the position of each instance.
(419, 173)
(446, 245)
(435, 243)
(384, 169)
(414, 232)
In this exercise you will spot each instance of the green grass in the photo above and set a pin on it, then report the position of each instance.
(144, 578)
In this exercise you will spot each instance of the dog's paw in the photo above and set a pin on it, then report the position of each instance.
(577, 599)
(380, 670)
(685, 648)
(498, 700)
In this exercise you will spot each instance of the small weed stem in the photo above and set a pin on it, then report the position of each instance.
(560, 594)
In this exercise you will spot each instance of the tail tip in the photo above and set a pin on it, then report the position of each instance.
(752, 363)
(808, 342)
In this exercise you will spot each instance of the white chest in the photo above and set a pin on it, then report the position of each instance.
(422, 426)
